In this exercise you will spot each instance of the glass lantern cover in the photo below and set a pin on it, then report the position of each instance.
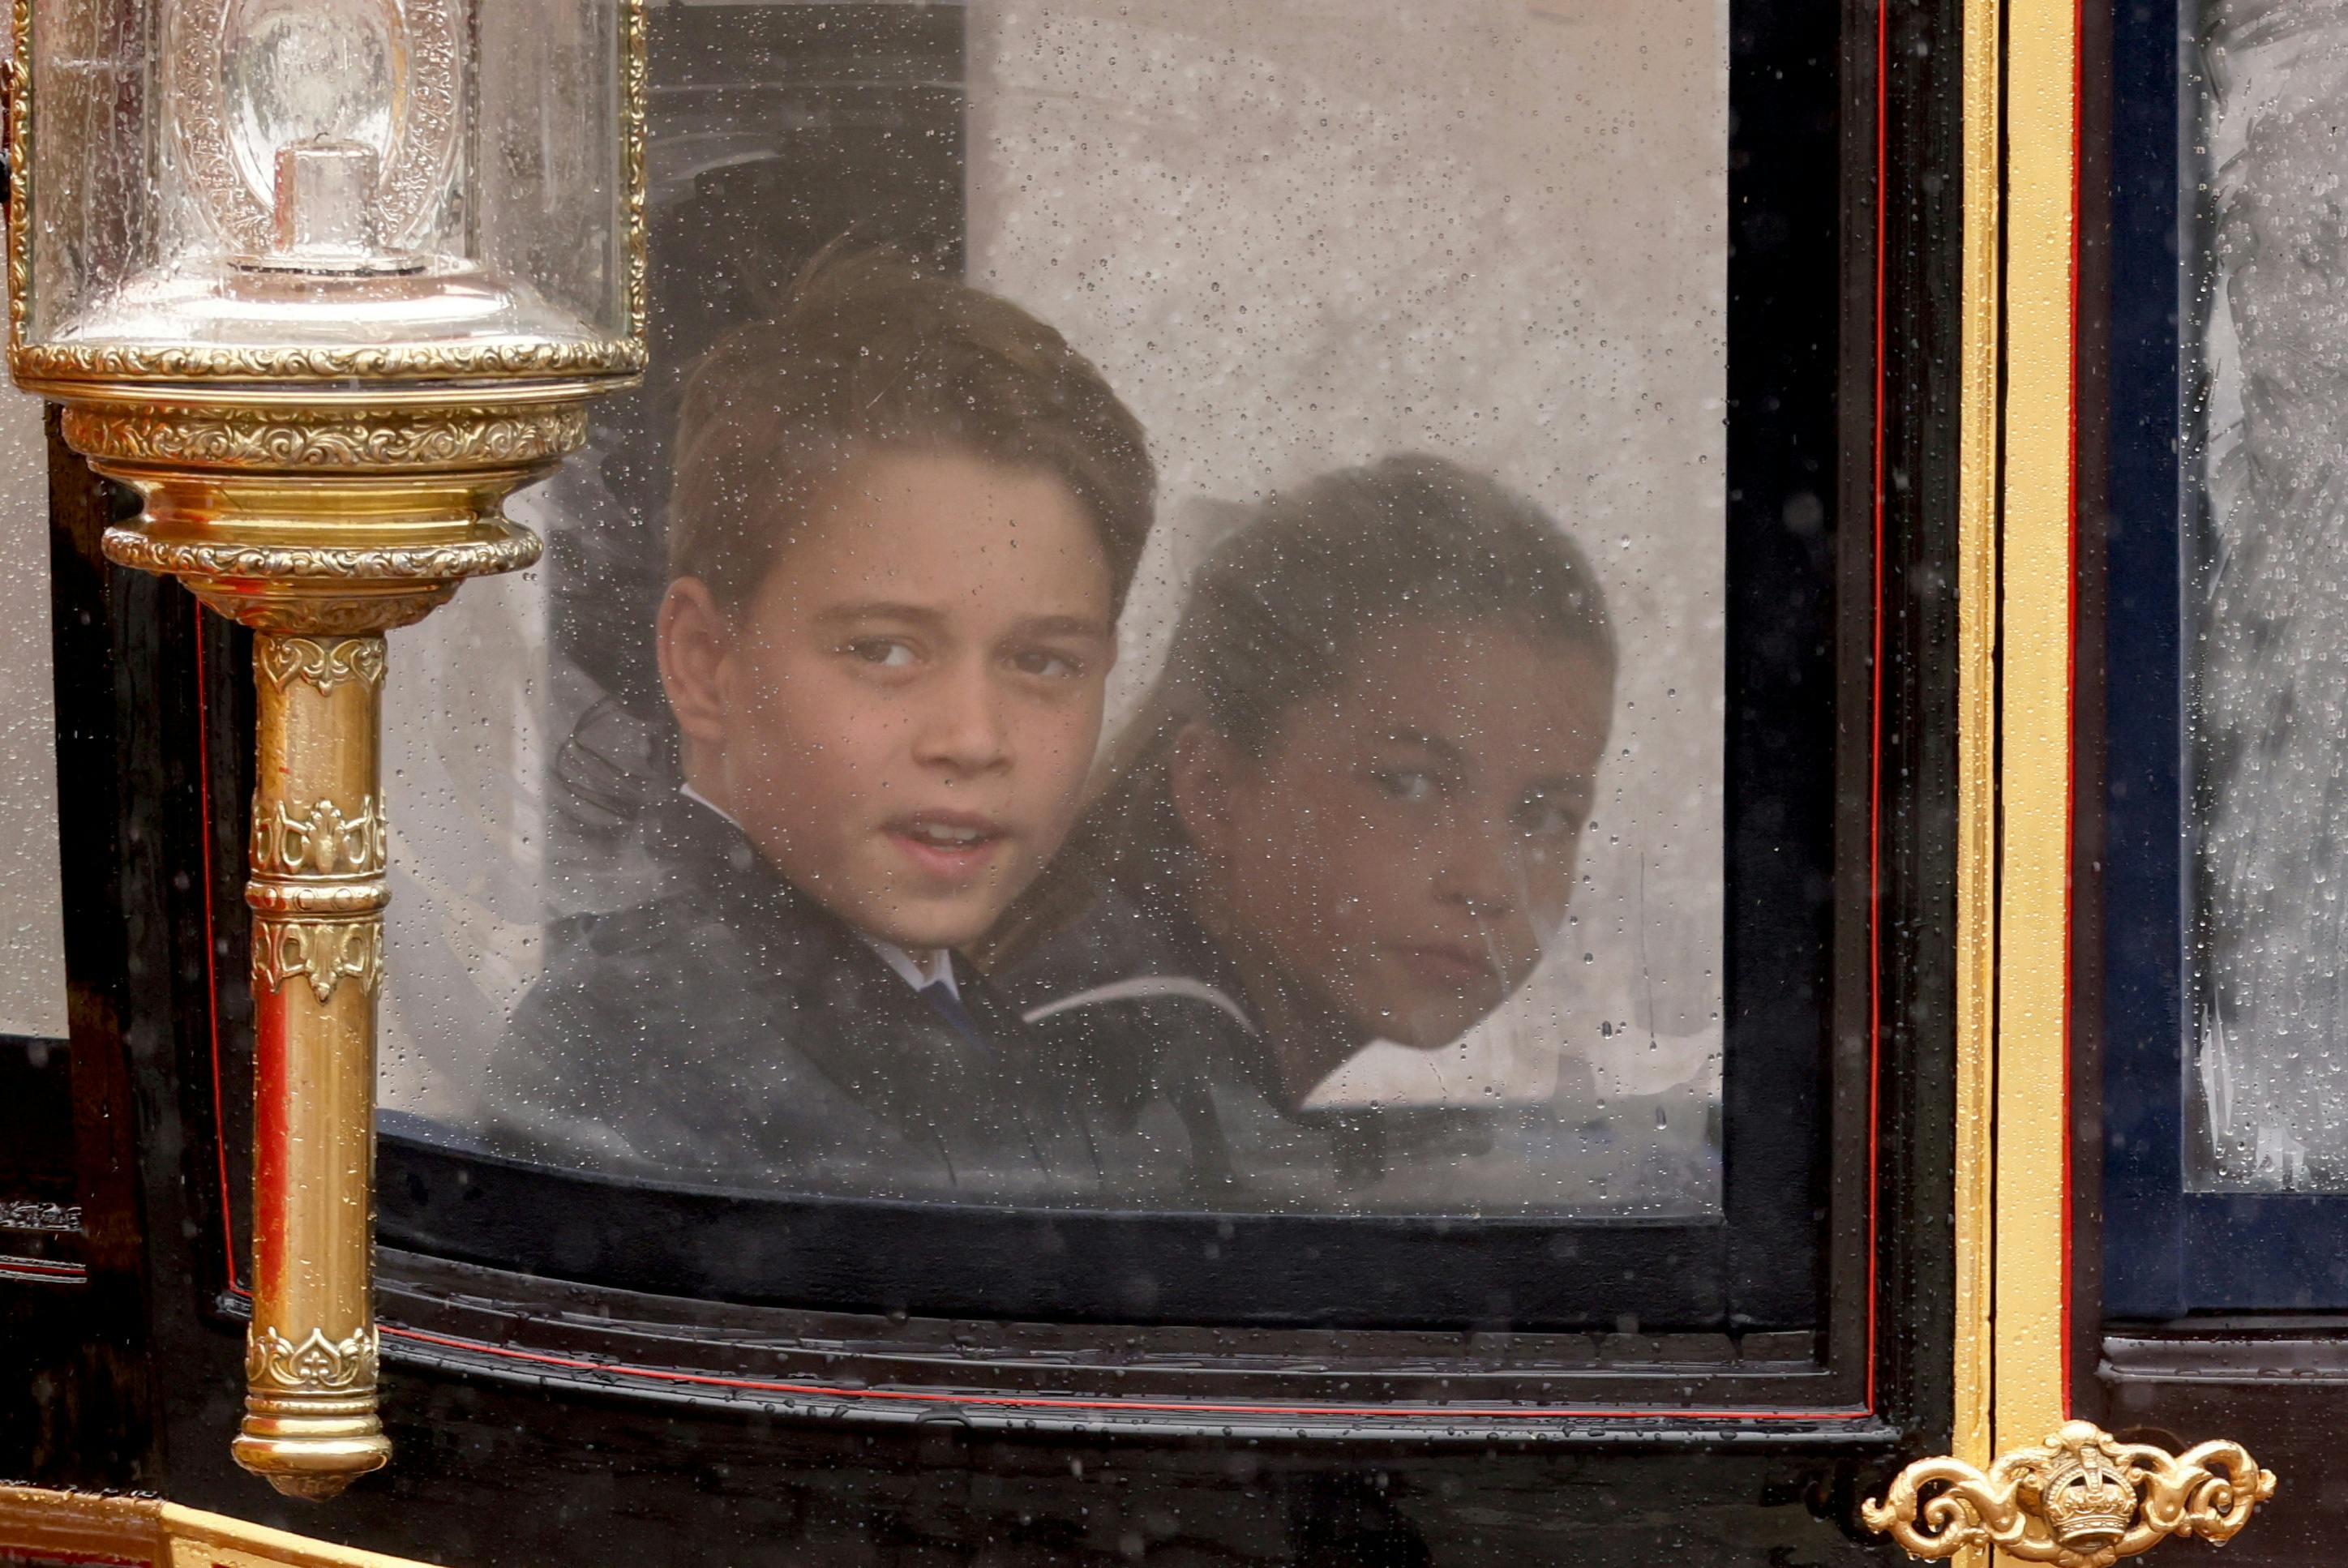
(240, 186)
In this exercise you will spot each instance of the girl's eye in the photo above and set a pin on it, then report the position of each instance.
(1046, 663)
(1543, 819)
(1404, 784)
(886, 652)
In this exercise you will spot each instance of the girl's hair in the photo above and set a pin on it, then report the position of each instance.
(1279, 612)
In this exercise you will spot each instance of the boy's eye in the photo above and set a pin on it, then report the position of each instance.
(886, 652)
(1405, 784)
(1048, 662)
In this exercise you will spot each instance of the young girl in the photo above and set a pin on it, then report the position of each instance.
(1351, 811)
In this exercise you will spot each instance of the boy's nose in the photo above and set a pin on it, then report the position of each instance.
(962, 729)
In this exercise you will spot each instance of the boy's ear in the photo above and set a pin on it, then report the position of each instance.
(1200, 775)
(696, 636)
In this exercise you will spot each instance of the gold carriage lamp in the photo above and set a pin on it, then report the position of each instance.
(324, 281)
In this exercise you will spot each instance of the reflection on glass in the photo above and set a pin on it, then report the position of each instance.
(1392, 871)
(2270, 1079)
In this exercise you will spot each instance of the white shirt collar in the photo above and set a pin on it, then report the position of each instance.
(699, 799)
(933, 968)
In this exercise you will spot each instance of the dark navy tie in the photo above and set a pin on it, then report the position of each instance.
(941, 997)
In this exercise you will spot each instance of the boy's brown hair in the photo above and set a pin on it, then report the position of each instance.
(870, 352)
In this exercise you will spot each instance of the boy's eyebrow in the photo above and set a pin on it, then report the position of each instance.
(1064, 626)
(925, 615)
(880, 610)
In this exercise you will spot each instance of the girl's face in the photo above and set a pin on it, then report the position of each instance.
(1407, 848)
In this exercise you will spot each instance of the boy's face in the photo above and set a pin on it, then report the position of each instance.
(902, 716)
(1408, 847)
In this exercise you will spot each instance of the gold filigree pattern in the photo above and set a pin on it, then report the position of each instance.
(17, 85)
(361, 615)
(636, 69)
(298, 438)
(315, 1365)
(434, 564)
(326, 953)
(325, 900)
(39, 363)
(2079, 1500)
(325, 841)
(284, 660)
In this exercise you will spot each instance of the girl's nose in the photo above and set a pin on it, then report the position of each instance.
(1477, 870)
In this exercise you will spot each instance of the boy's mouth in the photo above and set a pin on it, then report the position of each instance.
(950, 844)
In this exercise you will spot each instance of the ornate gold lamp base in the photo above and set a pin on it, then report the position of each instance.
(321, 522)
(2079, 1500)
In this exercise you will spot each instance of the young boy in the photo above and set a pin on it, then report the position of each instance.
(905, 516)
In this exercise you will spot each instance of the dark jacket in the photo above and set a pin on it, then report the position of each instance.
(1145, 1007)
(1149, 1009)
(731, 1030)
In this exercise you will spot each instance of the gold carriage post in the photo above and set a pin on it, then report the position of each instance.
(2028, 1483)
(324, 283)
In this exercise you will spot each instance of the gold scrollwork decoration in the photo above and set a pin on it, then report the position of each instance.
(637, 68)
(315, 1365)
(54, 362)
(19, 94)
(323, 900)
(358, 615)
(324, 952)
(432, 564)
(2080, 1500)
(300, 438)
(322, 842)
(323, 665)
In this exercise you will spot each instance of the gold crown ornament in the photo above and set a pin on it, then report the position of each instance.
(2088, 1500)
(2082, 1499)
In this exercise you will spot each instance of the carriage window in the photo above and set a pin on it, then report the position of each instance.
(1204, 685)
(2269, 1080)
(2226, 1086)
(32, 950)
(1156, 639)
(36, 1171)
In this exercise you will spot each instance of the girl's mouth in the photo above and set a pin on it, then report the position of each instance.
(1448, 966)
